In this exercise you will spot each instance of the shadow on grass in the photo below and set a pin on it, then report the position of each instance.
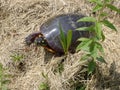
(111, 81)
(48, 56)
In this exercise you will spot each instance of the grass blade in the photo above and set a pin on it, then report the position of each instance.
(69, 38)
(63, 39)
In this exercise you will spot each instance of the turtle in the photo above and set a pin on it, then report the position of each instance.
(49, 34)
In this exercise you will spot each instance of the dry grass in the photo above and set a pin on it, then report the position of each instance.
(19, 18)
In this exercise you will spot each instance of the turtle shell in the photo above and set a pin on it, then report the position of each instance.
(51, 30)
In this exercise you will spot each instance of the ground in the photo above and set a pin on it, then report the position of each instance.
(19, 18)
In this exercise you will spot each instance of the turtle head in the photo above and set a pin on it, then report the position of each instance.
(31, 38)
(40, 41)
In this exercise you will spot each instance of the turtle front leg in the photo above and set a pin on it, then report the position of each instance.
(30, 38)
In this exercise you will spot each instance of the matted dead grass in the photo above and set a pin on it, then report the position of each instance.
(19, 18)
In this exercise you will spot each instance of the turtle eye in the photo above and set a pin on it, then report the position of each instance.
(43, 43)
(40, 41)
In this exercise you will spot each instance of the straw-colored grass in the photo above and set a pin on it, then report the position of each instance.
(19, 18)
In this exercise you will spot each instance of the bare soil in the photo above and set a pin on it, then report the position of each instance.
(19, 18)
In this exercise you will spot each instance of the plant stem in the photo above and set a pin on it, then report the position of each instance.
(101, 11)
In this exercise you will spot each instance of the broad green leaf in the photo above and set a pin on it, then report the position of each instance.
(91, 28)
(82, 29)
(91, 66)
(101, 59)
(87, 19)
(83, 39)
(96, 1)
(107, 1)
(112, 7)
(100, 47)
(98, 30)
(91, 0)
(97, 8)
(103, 14)
(103, 36)
(69, 38)
(109, 24)
(84, 45)
(85, 57)
(93, 50)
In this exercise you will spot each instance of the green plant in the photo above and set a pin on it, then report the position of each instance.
(65, 39)
(80, 88)
(44, 85)
(60, 68)
(3, 78)
(16, 57)
(92, 46)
